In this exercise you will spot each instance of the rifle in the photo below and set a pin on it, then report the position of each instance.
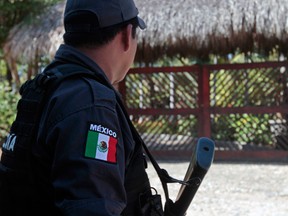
(200, 163)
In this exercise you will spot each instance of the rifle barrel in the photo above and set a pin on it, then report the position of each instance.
(200, 163)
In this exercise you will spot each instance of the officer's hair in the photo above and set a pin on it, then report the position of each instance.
(96, 36)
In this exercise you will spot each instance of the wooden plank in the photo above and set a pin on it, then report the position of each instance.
(268, 156)
(161, 111)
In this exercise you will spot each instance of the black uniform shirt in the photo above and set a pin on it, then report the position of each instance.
(85, 145)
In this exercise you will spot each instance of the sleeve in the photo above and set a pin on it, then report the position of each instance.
(89, 163)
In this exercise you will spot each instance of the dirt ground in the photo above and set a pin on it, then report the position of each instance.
(233, 189)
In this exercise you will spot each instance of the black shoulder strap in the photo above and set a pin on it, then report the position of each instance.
(163, 175)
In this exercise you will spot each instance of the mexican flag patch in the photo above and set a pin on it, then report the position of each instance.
(101, 144)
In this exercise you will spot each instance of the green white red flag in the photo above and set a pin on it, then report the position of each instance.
(101, 146)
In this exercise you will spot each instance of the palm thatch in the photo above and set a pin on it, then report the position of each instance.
(27, 42)
(199, 27)
(186, 28)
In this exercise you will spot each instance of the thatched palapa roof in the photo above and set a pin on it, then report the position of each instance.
(199, 27)
(36, 38)
(187, 28)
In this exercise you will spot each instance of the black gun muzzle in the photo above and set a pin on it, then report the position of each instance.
(200, 163)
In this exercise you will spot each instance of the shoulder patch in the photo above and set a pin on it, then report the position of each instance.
(101, 143)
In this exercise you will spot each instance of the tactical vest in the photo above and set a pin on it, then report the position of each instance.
(18, 190)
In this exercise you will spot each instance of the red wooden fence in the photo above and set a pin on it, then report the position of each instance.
(242, 107)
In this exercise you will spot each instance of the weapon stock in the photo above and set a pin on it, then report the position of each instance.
(200, 163)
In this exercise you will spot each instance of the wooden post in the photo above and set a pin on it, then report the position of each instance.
(204, 122)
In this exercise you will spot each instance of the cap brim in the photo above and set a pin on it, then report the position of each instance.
(141, 23)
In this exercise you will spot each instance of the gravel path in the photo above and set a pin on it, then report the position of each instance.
(233, 189)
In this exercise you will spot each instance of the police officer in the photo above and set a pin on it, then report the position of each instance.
(87, 160)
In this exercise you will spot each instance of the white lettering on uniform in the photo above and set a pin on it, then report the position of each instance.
(93, 127)
(10, 142)
(101, 129)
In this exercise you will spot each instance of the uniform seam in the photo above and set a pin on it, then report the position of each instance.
(61, 117)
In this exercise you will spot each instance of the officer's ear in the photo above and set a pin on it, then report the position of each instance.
(127, 37)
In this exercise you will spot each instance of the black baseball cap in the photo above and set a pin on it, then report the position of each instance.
(108, 13)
